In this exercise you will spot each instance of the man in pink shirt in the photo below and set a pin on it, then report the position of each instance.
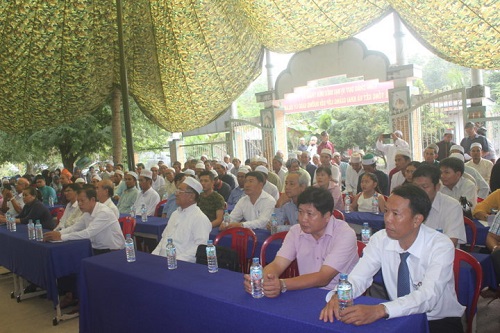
(322, 245)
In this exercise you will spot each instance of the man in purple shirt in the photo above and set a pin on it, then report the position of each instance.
(322, 245)
(325, 143)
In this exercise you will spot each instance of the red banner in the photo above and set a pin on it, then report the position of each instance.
(305, 99)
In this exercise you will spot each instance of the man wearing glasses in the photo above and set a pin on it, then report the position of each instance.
(188, 225)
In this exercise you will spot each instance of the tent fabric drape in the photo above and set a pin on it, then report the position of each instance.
(187, 60)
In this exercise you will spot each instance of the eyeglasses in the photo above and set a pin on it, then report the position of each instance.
(181, 191)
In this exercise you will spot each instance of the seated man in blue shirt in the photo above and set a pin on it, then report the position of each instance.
(417, 267)
(295, 183)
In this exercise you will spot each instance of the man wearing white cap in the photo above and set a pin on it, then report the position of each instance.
(370, 165)
(188, 227)
(168, 174)
(401, 159)
(326, 161)
(157, 181)
(445, 145)
(354, 170)
(109, 171)
(483, 188)
(256, 207)
(119, 184)
(271, 176)
(390, 149)
(268, 187)
(147, 197)
(482, 165)
(337, 159)
(127, 199)
(199, 168)
(228, 178)
(239, 190)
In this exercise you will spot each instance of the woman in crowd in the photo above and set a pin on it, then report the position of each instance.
(410, 169)
(324, 180)
(34, 209)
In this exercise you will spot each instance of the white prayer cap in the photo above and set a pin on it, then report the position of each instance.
(80, 180)
(355, 158)
(326, 151)
(194, 184)
(133, 174)
(404, 152)
(200, 165)
(189, 172)
(457, 155)
(214, 173)
(476, 144)
(119, 172)
(97, 177)
(262, 159)
(457, 147)
(262, 169)
(244, 169)
(147, 174)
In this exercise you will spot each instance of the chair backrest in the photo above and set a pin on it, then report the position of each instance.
(239, 243)
(338, 215)
(56, 211)
(128, 225)
(361, 246)
(476, 266)
(469, 223)
(158, 209)
(293, 269)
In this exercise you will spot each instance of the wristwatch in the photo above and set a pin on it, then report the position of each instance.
(283, 286)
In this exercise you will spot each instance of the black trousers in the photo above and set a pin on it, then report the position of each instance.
(446, 325)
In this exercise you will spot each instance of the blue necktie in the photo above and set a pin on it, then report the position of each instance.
(403, 276)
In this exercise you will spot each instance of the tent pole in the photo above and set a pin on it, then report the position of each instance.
(124, 89)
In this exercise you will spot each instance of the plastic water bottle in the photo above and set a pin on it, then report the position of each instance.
(7, 221)
(256, 279)
(375, 204)
(347, 208)
(344, 292)
(365, 233)
(213, 267)
(129, 248)
(274, 224)
(12, 221)
(38, 231)
(171, 255)
(132, 212)
(227, 219)
(51, 202)
(31, 230)
(144, 213)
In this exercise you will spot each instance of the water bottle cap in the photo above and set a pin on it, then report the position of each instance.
(127, 236)
(365, 224)
(343, 276)
(169, 240)
(255, 260)
(210, 242)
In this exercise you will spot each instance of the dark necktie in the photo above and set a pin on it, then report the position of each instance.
(403, 276)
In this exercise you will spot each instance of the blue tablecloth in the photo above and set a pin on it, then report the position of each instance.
(153, 227)
(376, 221)
(39, 262)
(144, 296)
(482, 232)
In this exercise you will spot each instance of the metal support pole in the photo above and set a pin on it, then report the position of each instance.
(124, 88)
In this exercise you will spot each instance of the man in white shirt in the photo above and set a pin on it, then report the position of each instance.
(354, 170)
(256, 207)
(98, 223)
(483, 188)
(454, 184)
(401, 160)
(104, 191)
(390, 149)
(483, 166)
(147, 196)
(13, 199)
(158, 182)
(188, 226)
(268, 186)
(109, 171)
(406, 244)
(169, 187)
(446, 213)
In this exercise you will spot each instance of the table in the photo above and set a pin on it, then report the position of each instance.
(146, 297)
(482, 232)
(376, 221)
(39, 262)
(151, 229)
